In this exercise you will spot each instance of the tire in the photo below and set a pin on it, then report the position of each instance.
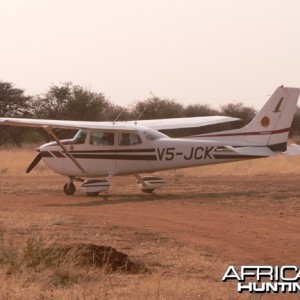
(69, 188)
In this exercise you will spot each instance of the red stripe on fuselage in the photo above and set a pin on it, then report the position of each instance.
(58, 154)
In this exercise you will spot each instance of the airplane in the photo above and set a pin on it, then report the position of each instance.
(102, 150)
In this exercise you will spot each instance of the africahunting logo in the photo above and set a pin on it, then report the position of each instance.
(264, 279)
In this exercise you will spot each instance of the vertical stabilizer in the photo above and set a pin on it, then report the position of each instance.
(271, 125)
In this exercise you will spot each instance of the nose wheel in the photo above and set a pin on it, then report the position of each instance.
(69, 188)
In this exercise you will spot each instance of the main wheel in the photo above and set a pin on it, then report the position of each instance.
(69, 188)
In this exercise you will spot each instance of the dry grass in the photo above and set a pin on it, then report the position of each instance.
(115, 287)
(194, 277)
(279, 164)
(15, 161)
(26, 272)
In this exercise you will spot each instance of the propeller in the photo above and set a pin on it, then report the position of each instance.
(34, 163)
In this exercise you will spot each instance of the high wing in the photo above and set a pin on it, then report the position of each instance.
(43, 123)
(177, 123)
(157, 124)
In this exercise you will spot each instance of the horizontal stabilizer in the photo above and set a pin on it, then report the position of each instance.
(292, 150)
(253, 151)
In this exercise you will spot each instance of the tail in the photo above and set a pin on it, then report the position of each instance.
(271, 125)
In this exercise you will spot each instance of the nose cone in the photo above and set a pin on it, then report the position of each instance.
(42, 148)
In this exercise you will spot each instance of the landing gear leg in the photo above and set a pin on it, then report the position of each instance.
(69, 188)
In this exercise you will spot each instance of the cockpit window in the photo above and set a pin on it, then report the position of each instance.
(152, 135)
(99, 137)
(80, 136)
(126, 139)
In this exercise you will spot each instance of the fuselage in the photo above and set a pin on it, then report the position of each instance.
(105, 153)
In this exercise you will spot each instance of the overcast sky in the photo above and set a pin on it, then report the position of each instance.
(209, 52)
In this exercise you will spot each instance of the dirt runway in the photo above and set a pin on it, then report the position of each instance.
(246, 220)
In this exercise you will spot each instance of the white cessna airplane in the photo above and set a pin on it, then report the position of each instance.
(107, 149)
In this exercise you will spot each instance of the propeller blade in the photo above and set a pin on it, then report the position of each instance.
(34, 163)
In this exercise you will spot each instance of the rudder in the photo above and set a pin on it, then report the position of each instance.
(270, 126)
(272, 123)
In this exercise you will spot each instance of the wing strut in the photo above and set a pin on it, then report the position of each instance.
(68, 153)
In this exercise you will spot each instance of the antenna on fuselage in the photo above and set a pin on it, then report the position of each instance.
(140, 115)
(153, 96)
(118, 116)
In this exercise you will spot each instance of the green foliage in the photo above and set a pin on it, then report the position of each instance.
(13, 103)
(295, 127)
(118, 112)
(197, 110)
(156, 108)
(73, 102)
(50, 104)
(70, 102)
(84, 105)
(33, 136)
(8, 254)
(238, 110)
(33, 255)
(36, 253)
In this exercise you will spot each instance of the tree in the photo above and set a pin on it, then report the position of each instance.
(70, 102)
(295, 127)
(156, 108)
(85, 105)
(238, 110)
(50, 105)
(116, 112)
(13, 103)
(197, 110)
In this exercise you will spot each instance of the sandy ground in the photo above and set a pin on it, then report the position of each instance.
(239, 220)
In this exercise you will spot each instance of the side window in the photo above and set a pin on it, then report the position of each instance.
(127, 139)
(98, 137)
(80, 136)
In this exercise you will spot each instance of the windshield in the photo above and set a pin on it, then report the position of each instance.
(80, 136)
(152, 135)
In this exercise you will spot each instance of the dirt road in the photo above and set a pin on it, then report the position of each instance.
(226, 219)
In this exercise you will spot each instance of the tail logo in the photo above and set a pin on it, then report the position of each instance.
(265, 121)
(277, 108)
